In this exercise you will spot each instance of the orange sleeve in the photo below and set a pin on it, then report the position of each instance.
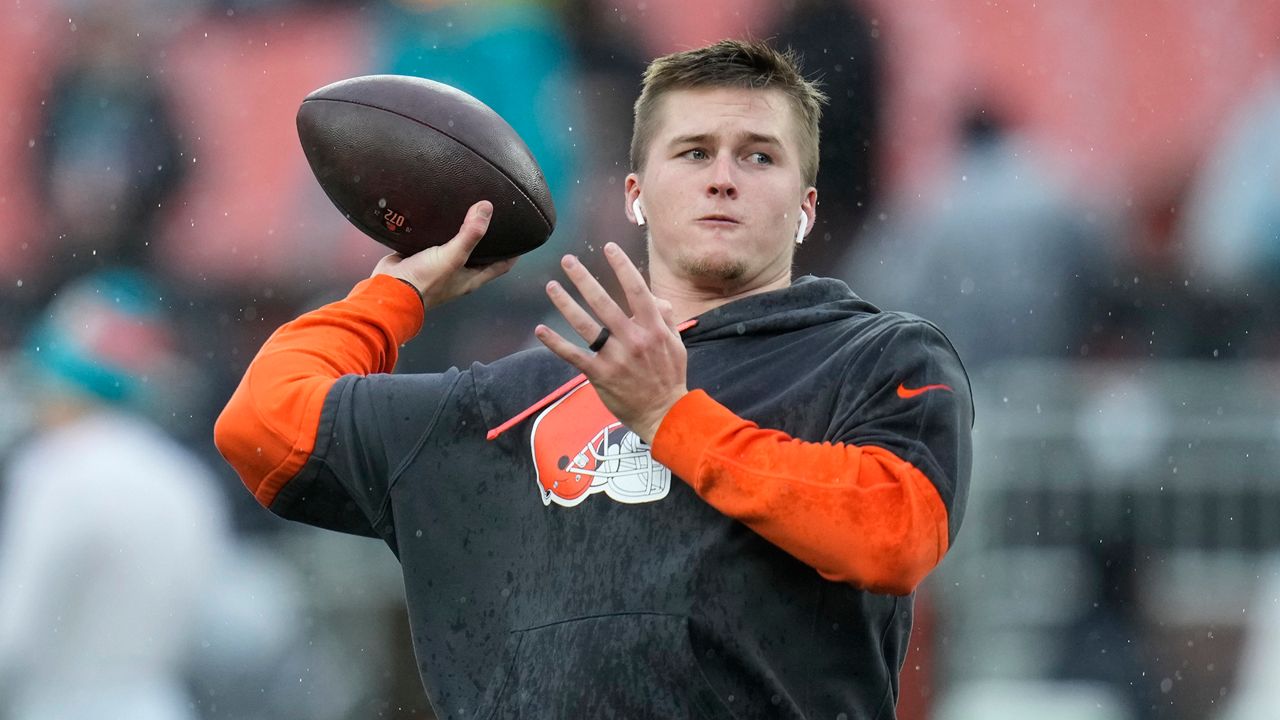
(856, 514)
(268, 428)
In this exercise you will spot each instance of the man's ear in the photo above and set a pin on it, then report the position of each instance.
(632, 208)
(809, 211)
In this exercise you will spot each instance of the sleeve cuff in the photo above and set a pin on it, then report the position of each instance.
(396, 302)
(688, 429)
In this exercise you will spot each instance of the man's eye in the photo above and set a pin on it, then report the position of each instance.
(695, 154)
(760, 158)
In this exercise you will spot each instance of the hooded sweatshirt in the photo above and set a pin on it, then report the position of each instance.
(758, 560)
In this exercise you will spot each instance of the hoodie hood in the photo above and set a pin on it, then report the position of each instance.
(806, 302)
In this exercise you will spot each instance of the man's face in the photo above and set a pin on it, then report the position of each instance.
(722, 189)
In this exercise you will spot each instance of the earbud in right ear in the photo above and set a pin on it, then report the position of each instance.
(635, 210)
(804, 225)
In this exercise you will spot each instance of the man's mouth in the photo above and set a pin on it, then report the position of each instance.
(718, 219)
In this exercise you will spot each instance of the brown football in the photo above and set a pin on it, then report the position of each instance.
(403, 158)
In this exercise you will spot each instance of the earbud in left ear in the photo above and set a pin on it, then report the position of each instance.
(804, 225)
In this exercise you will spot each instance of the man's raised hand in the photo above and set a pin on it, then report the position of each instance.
(640, 371)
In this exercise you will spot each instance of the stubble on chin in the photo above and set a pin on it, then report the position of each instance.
(717, 270)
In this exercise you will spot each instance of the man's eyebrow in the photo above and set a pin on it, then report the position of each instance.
(761, 138)
(700, 139)
(705, 138)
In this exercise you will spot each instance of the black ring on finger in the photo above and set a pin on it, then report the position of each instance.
(600, 340)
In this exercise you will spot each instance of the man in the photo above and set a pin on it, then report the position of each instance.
(633, 544)
(112, 532)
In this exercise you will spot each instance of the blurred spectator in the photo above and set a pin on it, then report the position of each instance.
(1231, 223)
(103, 153)
(1105, 644)
(111, 531)
(1153, 306)
(840, 49)
(611, 62)
(1258, 687)
(109, 157)
(998, 254)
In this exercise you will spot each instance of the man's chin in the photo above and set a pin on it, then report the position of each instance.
(723, 272)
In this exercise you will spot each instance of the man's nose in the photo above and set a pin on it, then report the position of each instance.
(722, 182)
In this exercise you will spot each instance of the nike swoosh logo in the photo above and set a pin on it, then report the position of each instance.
(905, 392)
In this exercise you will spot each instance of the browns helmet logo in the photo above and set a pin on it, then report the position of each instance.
(580, 448)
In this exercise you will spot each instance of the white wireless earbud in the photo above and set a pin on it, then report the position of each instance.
(804, 225)
(635, 210)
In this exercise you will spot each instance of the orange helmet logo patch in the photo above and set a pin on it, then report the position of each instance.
(580, 448)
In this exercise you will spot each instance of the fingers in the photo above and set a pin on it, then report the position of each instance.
(639, 297)
(493, 271)
(473, 278)
(648, 309)
(567, 351)
(596, 296)
(580, 320)
(473, 228)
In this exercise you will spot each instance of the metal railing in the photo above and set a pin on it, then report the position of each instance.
(1177, 461)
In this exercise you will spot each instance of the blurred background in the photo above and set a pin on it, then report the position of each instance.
(1084, 195)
